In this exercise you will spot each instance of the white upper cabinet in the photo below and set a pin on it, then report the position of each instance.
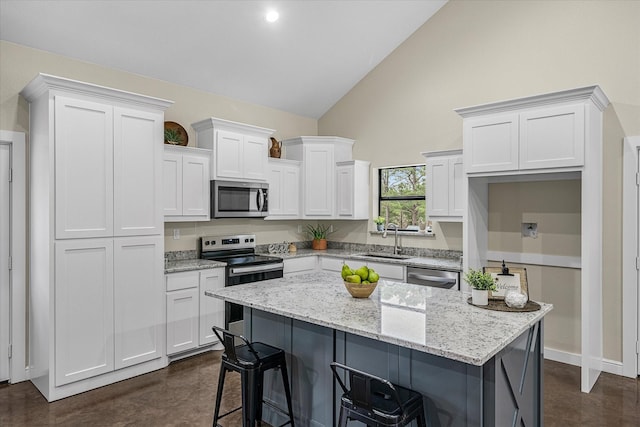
(186, 184)
(552, 137)
(444, 186)
(83, 133)
(494, 143)
(537, 134)
(284, 189)
(352, 189)
(107, 168)
(137, 171)
(318, 155)
(240, 151)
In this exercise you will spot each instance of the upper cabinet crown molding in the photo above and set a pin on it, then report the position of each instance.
(592, 93)
(231, 126)
(44, 83)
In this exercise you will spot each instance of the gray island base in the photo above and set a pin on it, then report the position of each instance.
(474, 367)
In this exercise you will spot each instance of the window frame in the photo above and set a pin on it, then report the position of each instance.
(381, 198)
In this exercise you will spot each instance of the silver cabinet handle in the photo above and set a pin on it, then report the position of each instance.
(432, 278)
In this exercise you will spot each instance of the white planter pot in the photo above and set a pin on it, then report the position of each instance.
(479, 297)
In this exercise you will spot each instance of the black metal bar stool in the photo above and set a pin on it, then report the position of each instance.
(376, 401)
(251, 360)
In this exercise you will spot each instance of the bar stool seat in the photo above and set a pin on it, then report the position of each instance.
(376, 401)
(251, 360)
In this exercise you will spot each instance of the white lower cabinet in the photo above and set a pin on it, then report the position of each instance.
(190, 313)
(107, 306)
(305, 264)
(83, 309)
(211, 309)
(137, 302)
(387, 271)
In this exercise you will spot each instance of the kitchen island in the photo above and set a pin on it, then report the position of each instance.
(473, 366)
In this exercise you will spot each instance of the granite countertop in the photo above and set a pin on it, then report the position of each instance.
(452, 264)
(432, 320)
(190, 265)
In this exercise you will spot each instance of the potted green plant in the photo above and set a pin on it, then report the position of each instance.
(379, 223)
(481, 283)
(172, 136)
(318, 236)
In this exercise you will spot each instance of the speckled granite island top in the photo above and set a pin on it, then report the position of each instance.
(432, 320)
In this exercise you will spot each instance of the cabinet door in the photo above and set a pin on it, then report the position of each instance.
(552, 137)
(138, 299)
(290, 191)
(437, 186)
(276, 191)
(137, 154)
(456, 197)
(83, 309)
(83, 168)
(172, 184)
(255, 156)
(211, 309)
(228, 155)
(491, 143)
(319, 169)
(344, 191)
(182, 320)
(195, 186)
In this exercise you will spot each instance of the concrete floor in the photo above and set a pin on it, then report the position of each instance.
(184, 394)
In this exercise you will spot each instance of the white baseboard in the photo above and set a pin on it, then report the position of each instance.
(610, 366)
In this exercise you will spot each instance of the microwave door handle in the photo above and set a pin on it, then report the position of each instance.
(259, 199)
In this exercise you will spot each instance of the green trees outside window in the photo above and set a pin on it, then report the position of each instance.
(402, 195)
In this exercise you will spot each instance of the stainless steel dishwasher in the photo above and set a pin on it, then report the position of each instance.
(432, 277)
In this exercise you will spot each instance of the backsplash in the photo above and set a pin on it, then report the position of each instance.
(344, 246)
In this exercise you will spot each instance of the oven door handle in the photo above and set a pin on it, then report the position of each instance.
(237, 271)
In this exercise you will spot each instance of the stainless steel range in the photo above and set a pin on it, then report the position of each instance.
(243, 266)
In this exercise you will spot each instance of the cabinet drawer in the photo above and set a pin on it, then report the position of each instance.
(388, 271)
(331, 264)
(182, 280)
(297, 265)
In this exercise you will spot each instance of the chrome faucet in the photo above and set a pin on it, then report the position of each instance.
(396, 248)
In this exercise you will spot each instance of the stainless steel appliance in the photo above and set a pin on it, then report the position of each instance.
(235, 199)
(432, 277)
(243, 266)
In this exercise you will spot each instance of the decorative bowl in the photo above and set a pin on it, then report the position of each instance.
(360, 290)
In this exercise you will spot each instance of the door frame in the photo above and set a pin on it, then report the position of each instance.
(630, 245)
(18, 363)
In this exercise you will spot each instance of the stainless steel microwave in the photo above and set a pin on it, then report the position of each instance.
(235, 199)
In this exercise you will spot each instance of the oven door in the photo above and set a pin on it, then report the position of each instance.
(230, 199)
(238, 275)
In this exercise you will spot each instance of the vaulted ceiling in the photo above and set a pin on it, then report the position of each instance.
(302, 63)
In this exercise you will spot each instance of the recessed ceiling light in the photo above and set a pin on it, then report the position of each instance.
(272, 16)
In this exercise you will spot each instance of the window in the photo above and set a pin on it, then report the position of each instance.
(402, 195)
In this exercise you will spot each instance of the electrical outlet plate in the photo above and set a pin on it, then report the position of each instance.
(530, 229)
(176, 234)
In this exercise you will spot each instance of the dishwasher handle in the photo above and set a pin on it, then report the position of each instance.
(435, 281)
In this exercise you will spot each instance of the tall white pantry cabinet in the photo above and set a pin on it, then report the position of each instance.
(96, 244)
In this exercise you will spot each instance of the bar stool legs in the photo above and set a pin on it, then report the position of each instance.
(251, 360)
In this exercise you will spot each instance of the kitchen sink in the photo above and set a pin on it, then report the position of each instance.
(384, 255)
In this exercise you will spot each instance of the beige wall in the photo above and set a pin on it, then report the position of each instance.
(20, 64)
(474, 52)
